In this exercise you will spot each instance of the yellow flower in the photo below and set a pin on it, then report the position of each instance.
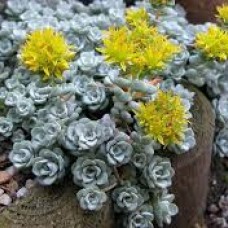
(137, 48)
(117, 48)
(164, 119)
(46, 52)
(163, 52)
(136, 17)
(213, 43)
(223, 13)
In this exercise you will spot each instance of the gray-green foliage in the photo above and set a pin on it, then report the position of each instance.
(141, 218)
(90, 172)
(164, 208)
(128, 198)
(119, 150)
(22, 155)
(158, 173)
(91, 199)
(49, 166)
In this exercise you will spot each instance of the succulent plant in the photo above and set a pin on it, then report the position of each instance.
(81, 84)
(218, 51)
(25, 107)
(221, 108)
(95, 97)
(49, 166)
(154, 117)
(6, 127)
(89, 134)
(6, 48)
(4, 71)
(221, 143)
(158, 173)
(89, 172)
(37, 94)
(128, 198)
(91, 199)
(88, 61)
(119, 150)
(45, 135)
(18, 135)
(188, 142)
(50, 59)
(164, 209)
(23, 154)
(89, 105)
(141, 218)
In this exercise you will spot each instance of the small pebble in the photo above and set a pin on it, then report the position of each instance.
(4, 177)
(213, 208)
(1, 191)
(5, 200)
(23, 192)
(214, 182)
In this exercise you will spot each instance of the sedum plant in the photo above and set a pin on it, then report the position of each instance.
(164, 118)
(205, 42)
(222, 14)
(91, 199)
(138, 42)
(105, 116)
(41, 55)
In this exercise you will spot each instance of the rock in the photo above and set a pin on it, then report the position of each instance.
(22, 192)
(5, 200)
(4, 177)
(1, 191)
(213, 208)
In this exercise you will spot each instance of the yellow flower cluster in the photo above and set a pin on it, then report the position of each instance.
(46, 52)
(136, 17)
(164, 119)
(223, 13)
(213, 43)
(137, 48)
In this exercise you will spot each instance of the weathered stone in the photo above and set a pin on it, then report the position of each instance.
(4, 177)
(5, 200)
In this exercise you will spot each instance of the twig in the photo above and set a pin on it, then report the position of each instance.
(110, 187)
(116, 173)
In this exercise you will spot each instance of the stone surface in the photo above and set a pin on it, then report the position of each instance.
(4, 177)
(1, 191)
(22, 192)
(5, 200)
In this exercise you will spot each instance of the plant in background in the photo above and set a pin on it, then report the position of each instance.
(106, 114)
(164, 118)
(46, 52)
(133, 47)
(213, 43)
(223, 14)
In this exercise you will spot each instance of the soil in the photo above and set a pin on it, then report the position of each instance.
(217, 214)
